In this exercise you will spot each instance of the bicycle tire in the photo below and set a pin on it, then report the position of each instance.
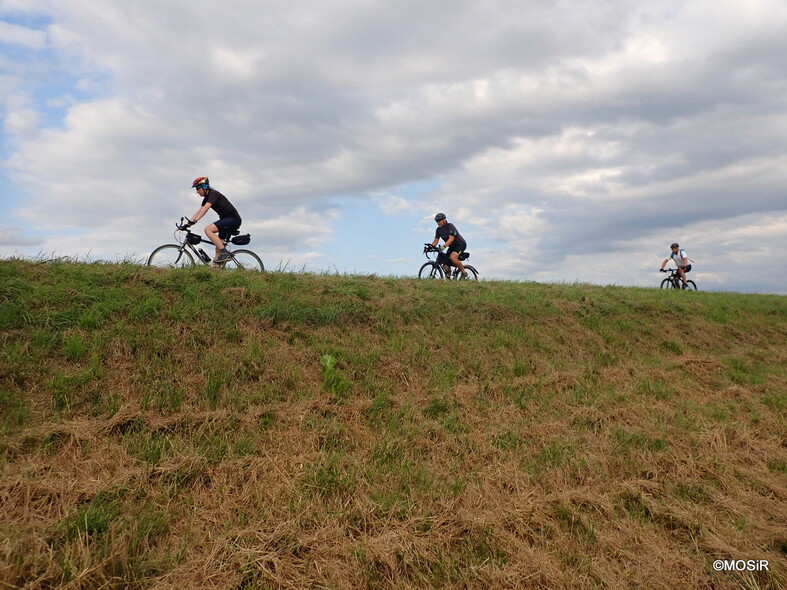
(170, 256)
(472, 273)
(244, 260)
(430, 270)
(667, 284)
(692, 285)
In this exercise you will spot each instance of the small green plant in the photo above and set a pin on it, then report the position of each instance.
(657, 389)
(93, 518)
(507, 441)
(637, 440)
(520, 368)
(332, 379)
(150, 447)
(13, 411)
(74, 346)
(328, 477)
(437, 408)
(743, 373)
(672, 347)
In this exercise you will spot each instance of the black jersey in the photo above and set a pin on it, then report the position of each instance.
(220, 204)
(448, 230)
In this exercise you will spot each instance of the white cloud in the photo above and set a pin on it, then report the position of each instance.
(560, 137)
(22, 36)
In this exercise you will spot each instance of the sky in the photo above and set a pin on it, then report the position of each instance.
(568, 141)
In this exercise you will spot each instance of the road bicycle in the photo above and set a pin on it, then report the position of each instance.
(441, 267)
(186, 253)
(673, 281)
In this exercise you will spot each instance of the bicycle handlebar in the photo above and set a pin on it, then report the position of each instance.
(184, 226)
(428, 249)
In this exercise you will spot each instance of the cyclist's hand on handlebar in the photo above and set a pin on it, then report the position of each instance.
(662, 270)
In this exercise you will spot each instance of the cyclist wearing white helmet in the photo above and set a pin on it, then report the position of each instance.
(452, 240)
(680, 259)
(229, 218)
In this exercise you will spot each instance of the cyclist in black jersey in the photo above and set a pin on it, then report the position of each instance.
(452, 240)
(229, 218)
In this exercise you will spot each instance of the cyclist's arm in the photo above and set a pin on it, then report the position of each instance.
(666, 260)
(201, 212)
(449, 241)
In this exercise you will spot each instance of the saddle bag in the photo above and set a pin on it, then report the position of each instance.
(464, 256)
(241, 240)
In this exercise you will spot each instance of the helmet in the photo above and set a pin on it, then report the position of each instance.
(439, 217)
(674, 245)
(201, 182)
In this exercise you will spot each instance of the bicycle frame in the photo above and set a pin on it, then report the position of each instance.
(187, 251)
(436, 266)
(673, 281)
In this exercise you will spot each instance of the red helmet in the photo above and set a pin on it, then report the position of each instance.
(201, 182)
(674, 245)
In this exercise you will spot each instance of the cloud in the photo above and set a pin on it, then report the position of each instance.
(22, 36)
(561, 138)
(17, 238)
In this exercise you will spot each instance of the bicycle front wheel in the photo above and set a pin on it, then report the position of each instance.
(667, 284)
(244, 260)
(430, 270)
(170, 256)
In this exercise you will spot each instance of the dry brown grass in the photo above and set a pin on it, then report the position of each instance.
(532, 436)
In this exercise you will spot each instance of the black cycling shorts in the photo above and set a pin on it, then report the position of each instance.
(226, 226)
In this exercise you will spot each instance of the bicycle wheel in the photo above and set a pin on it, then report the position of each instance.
(170, 256)
(244, 260)
(472, 273)
(692, 285)
(430, 270)
(667, 284)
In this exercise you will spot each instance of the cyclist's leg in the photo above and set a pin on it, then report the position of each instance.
(220, 231)
(454, 254)
(682, 274)
(445, 262)
(212, 231)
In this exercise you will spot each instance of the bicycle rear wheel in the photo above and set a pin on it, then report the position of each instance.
(692, 285)
(170, 256)
(244, 260)
(430, 270)
(472, 273)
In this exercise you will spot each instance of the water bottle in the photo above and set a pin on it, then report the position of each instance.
(203, 255)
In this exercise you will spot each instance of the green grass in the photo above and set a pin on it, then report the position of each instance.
(296, 430)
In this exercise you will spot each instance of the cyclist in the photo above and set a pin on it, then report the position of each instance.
(229, 218)
(453, 241)
(681, 260)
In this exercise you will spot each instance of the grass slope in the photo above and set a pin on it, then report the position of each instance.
(174, 429)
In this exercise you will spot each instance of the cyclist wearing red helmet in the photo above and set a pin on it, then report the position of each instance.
(452, 240)
(680, 259)
(229, 218)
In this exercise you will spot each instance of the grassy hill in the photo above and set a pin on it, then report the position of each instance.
(178, 429)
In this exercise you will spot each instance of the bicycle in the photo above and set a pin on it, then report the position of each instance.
(673, 281)
(184, 253)
(439, 269)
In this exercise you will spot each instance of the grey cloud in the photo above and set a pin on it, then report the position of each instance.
(565, 113)
(16, 237)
